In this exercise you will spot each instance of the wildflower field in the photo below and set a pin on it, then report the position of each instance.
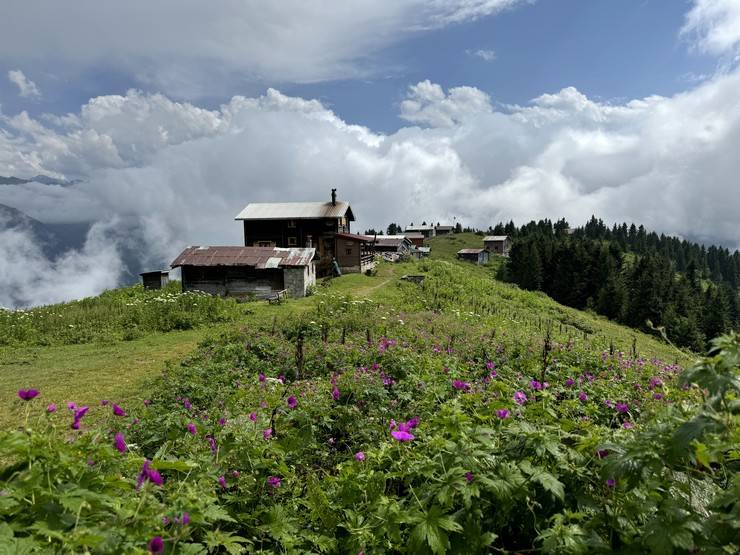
(459, 415)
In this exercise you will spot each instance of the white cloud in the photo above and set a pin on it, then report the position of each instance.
(428, 104)
(192, 48)
(485, 55)
(715, 25)
(172, 174)
(26, 87)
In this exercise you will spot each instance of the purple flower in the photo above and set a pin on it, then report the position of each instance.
(71, 405)
(51, 407)
(79, 413)
(569, 382)
(253, 416)
(520, 397)
(469, 476)
(148, 473)
(211, 443)
(191, 428)
(104, 402)
(401, 435)
(535, 385)
(273, 481)
(147, 402)
(222, 481)
(413, 423)
(222, 422)
(187, 404)
(185, 519)
(155, 545)
(118, 411)
(461, 385)
(292, 401)
(628, 425)
(657, 396)
(623, 408)
(360, 456)
(119, 442)
(335, 393)
(166, 520)
(610, 483)
(267, 433)
(502, 413)
(602, 453)
(261, 377)
(28, 394)
(582, 397)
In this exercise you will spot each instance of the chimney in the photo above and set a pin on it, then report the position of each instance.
(333, 197)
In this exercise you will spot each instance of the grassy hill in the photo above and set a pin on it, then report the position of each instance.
(456, 415)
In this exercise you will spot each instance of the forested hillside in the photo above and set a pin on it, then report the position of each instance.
(635, 277)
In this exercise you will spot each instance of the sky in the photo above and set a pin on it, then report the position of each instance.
(175, 114)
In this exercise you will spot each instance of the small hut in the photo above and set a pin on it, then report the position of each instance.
(155, 280)
(478, 256)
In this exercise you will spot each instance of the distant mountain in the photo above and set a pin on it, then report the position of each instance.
(45, 179)
(54, 239)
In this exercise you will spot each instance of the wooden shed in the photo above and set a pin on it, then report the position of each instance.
(354, 253)
(497, 244)
(257, 272)
(479, 256)
(155, 280)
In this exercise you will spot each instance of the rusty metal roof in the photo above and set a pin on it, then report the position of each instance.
(495, 237)
(295, 211)
(470, 251)
(255, 257)
(162, 272)
(355, 237)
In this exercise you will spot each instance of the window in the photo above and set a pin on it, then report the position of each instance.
(291, 223)
(292, 241)
(348, 251)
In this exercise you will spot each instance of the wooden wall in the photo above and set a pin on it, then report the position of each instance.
(237, 281)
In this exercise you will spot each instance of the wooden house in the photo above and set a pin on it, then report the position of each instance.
(257, 272)
(298, 225)
(354, 253)
(426, 230)
(497, 244)
(417, 239)
(443, 229)
(155, 280)
(398, 244)
(478, 256)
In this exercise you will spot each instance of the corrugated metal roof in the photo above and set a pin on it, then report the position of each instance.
(255, 257)
(470, 251)
(419, 228)
(495, 237)
(410, 236)
(354, 237)
(295, 210)
(390, 240)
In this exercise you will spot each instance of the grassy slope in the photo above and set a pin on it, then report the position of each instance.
(121, 369)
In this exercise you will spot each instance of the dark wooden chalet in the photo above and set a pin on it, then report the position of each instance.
(354, 253)
(258, 272)
(497, 244)
(298, 224)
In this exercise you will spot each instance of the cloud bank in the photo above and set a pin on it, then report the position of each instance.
(172, 174)
(26, 87)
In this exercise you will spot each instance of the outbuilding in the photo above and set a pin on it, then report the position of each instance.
(155, 280)
(479, 256)
(497, 244)
(398, 244)
(257, 272)
(354, 253)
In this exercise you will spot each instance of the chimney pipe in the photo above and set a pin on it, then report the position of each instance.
(333, 197)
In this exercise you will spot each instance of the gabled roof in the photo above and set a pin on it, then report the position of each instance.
(495, 237)
(255, 257)
(391, 240)
(419, 227)
(471, 251)
(354, 237)
(295, 211)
